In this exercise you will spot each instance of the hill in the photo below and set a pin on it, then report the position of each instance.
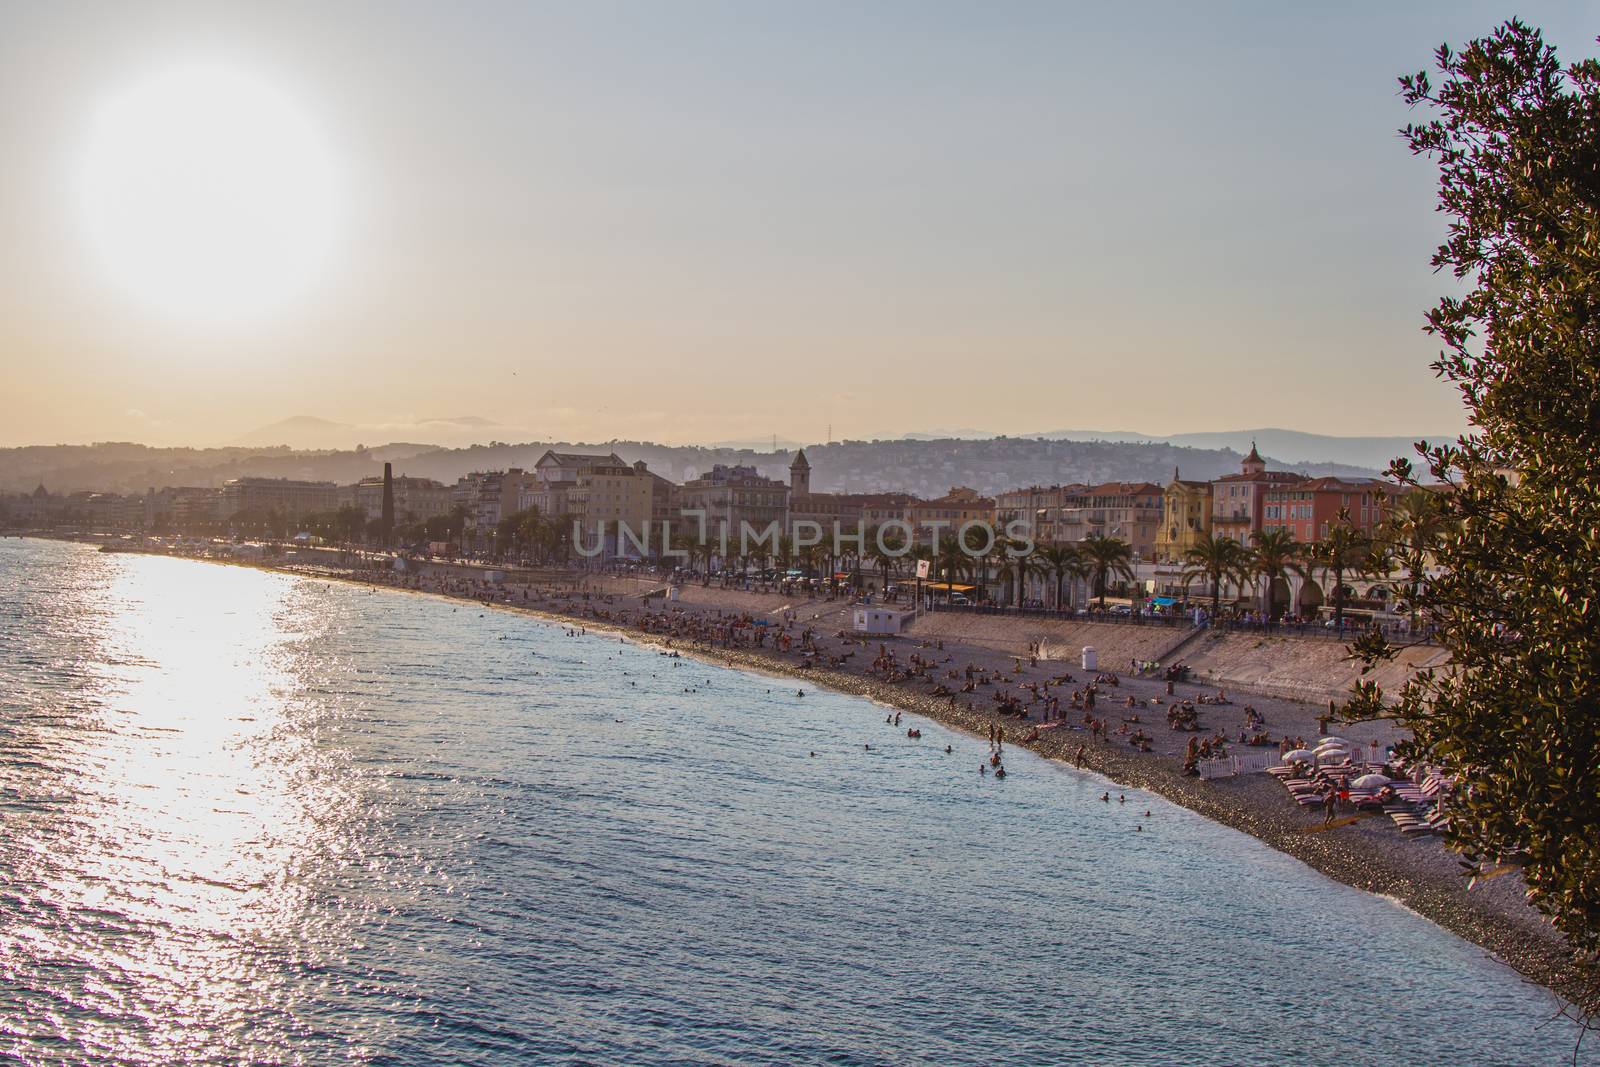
(1288, 446)
(924, 467)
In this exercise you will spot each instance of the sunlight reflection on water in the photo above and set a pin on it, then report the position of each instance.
(256, 819)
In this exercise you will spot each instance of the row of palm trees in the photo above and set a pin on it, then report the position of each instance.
(977, 558)
(1343, 554)
(1096, 559)
(1402, 544)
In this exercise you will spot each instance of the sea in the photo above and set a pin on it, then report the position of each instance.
(253, 818)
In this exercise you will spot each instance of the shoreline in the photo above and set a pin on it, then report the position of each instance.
(1410, 875)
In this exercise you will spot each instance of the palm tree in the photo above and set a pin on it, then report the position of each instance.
(1217, 559)
(1342, 550)
(1274, 554)
(820, 557)
(555, 537)
(1062, 562)
(884, 548)
(1106, 556)
(953, 562)
(684, 546)
(1016, 565)
(1408, 536)
(971, 540)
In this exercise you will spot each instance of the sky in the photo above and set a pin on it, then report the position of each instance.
(724, 221)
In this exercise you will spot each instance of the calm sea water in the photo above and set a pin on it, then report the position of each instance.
(251, 818)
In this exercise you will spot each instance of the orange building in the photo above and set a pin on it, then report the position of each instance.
(1309, 508)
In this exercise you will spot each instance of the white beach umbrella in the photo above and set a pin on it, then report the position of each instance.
(1370, 781)
(1304, 755)
(1332, 741)
(1333, 750)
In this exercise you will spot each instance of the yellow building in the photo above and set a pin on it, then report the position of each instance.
(608, 497)
(1185, 518)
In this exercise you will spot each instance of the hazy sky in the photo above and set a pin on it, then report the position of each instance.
(695, 221)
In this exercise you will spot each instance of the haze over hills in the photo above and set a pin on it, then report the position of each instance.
(1290, 446)
(309, 432)
(926, 468)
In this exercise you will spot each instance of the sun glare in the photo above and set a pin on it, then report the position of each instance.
(207, 193)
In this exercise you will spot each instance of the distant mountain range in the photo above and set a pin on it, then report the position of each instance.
(924, 467)
(1289, 446)
(308, 432)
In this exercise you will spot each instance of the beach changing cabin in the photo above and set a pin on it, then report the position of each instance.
(871, 620)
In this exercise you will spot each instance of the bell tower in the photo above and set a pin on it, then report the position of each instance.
(800, 475)
(1253, 463)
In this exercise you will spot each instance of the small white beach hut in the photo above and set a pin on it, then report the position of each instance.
(882, 621)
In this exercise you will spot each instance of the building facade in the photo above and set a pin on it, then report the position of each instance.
(1127, 511)
(727, 499)
(604, 498)
(556, 474)
(1238, 501)
(934, 520)
(1308, 509)
(415, 499)
(1185, 518)
(289, 498)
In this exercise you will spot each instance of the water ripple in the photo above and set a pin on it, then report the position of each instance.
(255, 819)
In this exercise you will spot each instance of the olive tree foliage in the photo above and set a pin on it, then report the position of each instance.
(1515, 594)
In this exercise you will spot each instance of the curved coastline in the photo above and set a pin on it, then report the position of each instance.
(1251, 804)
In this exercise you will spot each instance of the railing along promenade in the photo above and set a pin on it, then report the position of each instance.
(1276, 628)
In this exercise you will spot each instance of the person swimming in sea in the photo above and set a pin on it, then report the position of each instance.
(1105, 798)
(999, 772)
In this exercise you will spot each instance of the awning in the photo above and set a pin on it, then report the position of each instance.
(1163, 601)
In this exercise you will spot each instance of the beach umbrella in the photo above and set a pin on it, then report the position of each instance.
(1333, 750)
(1370, 781)
(1303, 755)
(1332, 741)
